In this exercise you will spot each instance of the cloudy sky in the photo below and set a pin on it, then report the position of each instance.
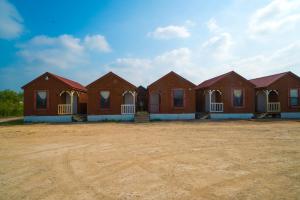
(143, 40)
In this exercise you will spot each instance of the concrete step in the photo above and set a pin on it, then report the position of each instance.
(79, 118)
(267, 115)
(202, 115)
(262, 116)
(142, 117)
(205, 116)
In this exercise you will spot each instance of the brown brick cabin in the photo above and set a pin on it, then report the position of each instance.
(111, 98)
(226, 96)
(278, 94)
(52, 98)
(171, 98)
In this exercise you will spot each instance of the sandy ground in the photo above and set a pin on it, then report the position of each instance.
(164, 160)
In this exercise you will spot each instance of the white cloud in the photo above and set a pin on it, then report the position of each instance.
(170, 32)
(146, 70)
(189, 23)
(219, 45)
(174, 58)
(197, 65)
(276, 16)
(97, 42)
(212, 25)
(135, 63)
(11, 22)
(284, 59)
(191, 63)
(64, 51)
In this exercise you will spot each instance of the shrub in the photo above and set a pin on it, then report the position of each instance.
(11, 103)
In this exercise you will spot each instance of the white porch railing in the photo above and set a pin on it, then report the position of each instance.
(64, 109)
(127, 109)
(216, 107)
(273, 107)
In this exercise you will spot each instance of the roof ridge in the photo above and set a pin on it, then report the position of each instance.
(213, 80)
(171, 72)
(266, 81)
(69, 82)
(278, 74)
(111, 73)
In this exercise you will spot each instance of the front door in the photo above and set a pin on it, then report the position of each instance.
(154, 102)
(261, 102)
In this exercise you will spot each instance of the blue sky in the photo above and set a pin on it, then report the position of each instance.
(143, 40)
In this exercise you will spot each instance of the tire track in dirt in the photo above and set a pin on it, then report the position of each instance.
(136, 161)
(37, 177)
(58, 184)
(143, 162)
(47, 170)
(110, 169)
(79, 181)
(207, 192)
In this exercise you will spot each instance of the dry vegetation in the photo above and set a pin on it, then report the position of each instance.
(164, 160)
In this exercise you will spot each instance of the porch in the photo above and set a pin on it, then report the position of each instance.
(68, 102)
(267, 101)
(128, 106)
(214, 101)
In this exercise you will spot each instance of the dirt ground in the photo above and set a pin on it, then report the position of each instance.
(163, 160)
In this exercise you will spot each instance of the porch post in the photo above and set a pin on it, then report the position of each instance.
(267, 99)
(134, 101)
(209, 91)
(71, 95)
(133, 94)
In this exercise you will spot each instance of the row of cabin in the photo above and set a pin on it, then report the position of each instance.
(51, 98)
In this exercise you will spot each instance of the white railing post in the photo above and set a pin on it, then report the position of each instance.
(273, 107)
(64, 109)
(216, 107)
(127, 109)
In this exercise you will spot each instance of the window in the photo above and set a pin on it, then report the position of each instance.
(238, 98)
(178, 98)
(104, 99)
(294, 97)
(41, 99)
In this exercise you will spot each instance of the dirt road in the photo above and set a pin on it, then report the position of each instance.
(165, 160)
(8, 119)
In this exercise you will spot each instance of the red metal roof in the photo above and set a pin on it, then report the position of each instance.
(72, 84)
(212, 81)
(267, 80)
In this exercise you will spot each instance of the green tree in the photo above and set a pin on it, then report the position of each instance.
(11, 103)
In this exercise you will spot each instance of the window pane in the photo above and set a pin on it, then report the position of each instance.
(41, 100)
(238, 98)
(294, 97)
(104, 99)
(294, 93)
(178, 98)
(294, 101)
